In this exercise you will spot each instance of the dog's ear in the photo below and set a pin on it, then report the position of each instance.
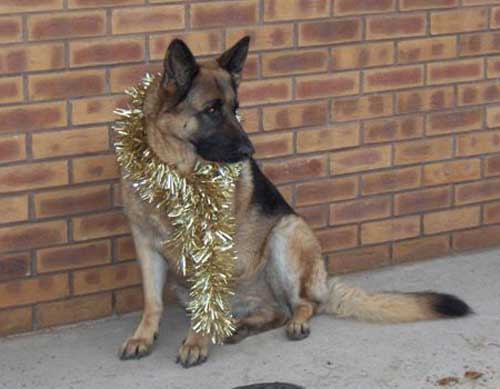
(233, 59)
(180, 68)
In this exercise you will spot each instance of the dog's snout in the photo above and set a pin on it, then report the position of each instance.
(246, 150)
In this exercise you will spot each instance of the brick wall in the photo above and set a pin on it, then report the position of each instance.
(375, 117)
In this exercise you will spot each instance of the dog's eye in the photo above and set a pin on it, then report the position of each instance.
(211, 109)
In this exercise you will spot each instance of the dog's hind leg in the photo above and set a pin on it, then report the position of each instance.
(297, 271)
(154, 269)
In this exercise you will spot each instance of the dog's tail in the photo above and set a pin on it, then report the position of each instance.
(346, 301)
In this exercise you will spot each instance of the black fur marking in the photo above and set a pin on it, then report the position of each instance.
(448, 305)
(266, 196)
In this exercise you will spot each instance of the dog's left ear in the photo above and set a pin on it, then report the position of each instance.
(233, 59)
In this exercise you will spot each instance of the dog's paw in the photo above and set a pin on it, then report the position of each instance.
(297, 330)
(136, 348)
(192, 354)
(240, 334)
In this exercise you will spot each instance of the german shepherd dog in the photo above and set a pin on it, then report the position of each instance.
(190, 116)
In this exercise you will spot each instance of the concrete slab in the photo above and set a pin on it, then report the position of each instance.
(338, 354)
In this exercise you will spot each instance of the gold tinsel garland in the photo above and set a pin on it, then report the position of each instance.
(199, 207)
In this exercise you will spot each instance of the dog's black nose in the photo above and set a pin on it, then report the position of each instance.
(246, 150)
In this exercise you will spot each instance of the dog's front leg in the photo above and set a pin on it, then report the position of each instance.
(154, 270)
(194, 349)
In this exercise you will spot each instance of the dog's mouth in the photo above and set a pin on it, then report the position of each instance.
(216, 152)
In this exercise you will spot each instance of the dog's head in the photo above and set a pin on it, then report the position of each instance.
(195, 104)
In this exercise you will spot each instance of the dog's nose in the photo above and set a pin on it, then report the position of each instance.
(246, 150)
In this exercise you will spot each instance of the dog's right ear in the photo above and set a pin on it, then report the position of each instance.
(180, 68)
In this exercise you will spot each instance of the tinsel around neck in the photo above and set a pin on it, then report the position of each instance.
(199, 208)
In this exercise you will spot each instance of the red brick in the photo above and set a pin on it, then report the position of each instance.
(364, 258)
(384, 27)
(391, 181)
(12, 148)
(72, 201)
(14, 321)
(491, 213)
(337, 137)
(125, 248)
(123, 77)
(455, 71)
(427, 99)
(329, 32)
(421, 248)
(66, 85)
(98, 168)
(334, 239)
(33, 117)
(221, 14)
(459, 20)
(390, 230)
(427, 49)
(14, 208)
(330, 85)
(73, 256)
(66, 25)
(128, 300)
(362, 107)
(314, 216)
(295, 9)
(33, 290)
(11, 90)
(476, 192)
(419, 151)
(33, 176)
(478, 238)
(478, 143)
(33, 235)
(493, 67)
(363, 56)
(326, 191)
(479, 44)
(106, 278)
(454, 121)
(399, 128)
(74, 310)
(273, 145)
(106, 51)
(200, 42)
(265, 91)
(360, 210)
(14, 6)
(493, 115)
(71, 142)
(455, 219)
(100, 225)
(479, 93)
(361, 159)
(492, 166)
(296, 115)
(11, 29)
(296, 169)
(495, 17)
(101, 3)
(263, 37)
(452, 172)
(393, 78)
(408, 5)
(422, 200)
(96, 109)
(28, 58)
(353, 7)
(17, 265)
(294, 62)
(147, 19)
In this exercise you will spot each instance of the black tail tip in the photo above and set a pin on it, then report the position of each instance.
(447, 305)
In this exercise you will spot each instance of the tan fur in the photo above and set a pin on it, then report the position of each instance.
(280, 273)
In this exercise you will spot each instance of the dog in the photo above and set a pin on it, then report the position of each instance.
(190, 115)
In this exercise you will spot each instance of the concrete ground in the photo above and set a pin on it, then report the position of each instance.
(338, 354)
